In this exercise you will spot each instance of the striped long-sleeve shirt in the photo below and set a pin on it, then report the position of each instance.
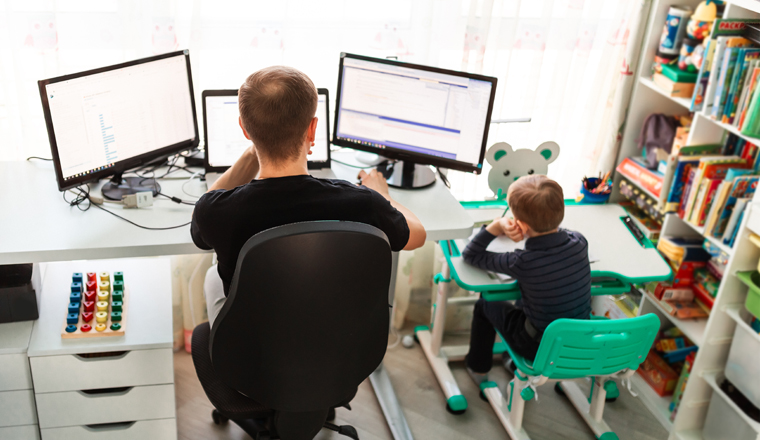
(553, 273)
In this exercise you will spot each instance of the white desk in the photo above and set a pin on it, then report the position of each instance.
(41, 227)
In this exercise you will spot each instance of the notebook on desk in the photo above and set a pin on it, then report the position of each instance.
(224, 141)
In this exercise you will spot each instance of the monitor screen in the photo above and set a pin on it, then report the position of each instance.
(100, 119)
(225, 141)
(424, 114)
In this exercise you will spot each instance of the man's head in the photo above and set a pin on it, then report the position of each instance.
(277, 107)
(537, 203)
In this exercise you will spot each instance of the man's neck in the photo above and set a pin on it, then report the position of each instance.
(294, 168)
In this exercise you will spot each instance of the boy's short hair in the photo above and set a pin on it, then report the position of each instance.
(277, 105)
(538, 201)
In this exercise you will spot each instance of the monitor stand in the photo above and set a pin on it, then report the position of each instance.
(407, 175)
(122, 186)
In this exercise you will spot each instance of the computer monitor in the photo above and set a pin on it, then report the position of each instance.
(224, 141)
(106, 121)
(416, 114)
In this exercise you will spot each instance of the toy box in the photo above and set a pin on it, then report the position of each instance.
(658, 374)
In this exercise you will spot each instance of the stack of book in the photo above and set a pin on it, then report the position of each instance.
(681, 296)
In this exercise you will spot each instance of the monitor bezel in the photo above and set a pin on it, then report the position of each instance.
(125, 165)
(312, 165)
(419, 158)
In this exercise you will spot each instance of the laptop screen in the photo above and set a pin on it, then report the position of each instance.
(225, 141)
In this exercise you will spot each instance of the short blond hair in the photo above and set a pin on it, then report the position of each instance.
(277, 105)
(537, 201)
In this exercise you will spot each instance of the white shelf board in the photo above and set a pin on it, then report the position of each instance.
(711, 380)
(730, 128)
(691, 434)
(683, 102)
(716, 241)
(658, 406)
(732, 310)
(694, 329)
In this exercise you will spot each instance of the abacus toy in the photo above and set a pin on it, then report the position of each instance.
(97, 306)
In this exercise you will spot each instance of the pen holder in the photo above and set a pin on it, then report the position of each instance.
(589, 197)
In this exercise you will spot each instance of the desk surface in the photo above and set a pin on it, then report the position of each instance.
(38, 226)
(610, 243)
(149, 321)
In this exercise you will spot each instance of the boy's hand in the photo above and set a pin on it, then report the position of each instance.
(374, 180)
(496, 227)
(511, 230)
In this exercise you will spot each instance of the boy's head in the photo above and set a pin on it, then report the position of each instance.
(537, 202)
(277, 107)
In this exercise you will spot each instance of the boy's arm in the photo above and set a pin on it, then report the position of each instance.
(476, 254)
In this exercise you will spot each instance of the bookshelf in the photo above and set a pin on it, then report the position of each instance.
(714, 334)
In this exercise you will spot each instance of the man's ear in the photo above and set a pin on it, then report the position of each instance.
(245, 133)
(312, 132)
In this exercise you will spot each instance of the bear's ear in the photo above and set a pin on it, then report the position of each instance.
(549, 150)
(497, 152)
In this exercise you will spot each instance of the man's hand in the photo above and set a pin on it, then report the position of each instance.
(511, 230)
(376, 181)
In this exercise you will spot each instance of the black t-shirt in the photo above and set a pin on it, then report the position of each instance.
(224, 220)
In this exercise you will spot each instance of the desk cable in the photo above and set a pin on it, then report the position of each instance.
(82, 194)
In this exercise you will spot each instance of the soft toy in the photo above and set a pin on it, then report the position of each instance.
(508, 165)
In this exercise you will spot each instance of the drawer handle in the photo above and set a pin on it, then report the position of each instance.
(89, 357)
(106, 392)
(118, 426)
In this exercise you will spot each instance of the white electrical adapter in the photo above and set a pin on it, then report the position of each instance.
(138, 200)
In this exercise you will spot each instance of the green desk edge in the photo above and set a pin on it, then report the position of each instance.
(511, 291)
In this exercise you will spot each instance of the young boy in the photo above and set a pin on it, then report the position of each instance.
(553, 273)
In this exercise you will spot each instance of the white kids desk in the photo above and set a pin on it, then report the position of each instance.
(39, 227)
(617, 260)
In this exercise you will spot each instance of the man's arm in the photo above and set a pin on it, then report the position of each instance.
(241, 172)
(417, 235)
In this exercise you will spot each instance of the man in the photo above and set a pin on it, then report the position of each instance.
(270, 185)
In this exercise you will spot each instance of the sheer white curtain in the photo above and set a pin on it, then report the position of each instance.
(559, 62)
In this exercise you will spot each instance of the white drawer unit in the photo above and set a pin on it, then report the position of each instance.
(165, 429)
(73, 408)
(117, 369)
(28, 432)
(119, 387)
(17, 408)
(14, 372)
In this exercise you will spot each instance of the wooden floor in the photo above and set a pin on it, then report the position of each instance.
(552, 417)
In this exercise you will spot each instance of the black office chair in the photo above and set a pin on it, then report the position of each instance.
(305, 322)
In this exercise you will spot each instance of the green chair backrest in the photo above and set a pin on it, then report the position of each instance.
(574, 348)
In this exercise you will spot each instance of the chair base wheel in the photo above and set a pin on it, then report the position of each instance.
(610, 399)
(558, 389)
(218, 418)
(416, 339)
(455, 412)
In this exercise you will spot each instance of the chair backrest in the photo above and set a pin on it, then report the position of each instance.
(573, 348)
(306, 319)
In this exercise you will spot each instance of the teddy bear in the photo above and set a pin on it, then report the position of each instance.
(508, 165)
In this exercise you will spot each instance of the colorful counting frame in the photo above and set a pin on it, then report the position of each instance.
(97, 306)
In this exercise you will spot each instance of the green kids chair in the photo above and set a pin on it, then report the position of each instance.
(573, 350)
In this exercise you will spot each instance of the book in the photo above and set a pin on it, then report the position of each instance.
(733, 221)
(679, 181)
(712, 188)
(723, 43)
(721, 91)
(698, 201)
(710, 167)
(717, 205)
(737, 83)
(737, 111)
(697, 99)
(742, 187)
(743, 209)
(687, 189)
(754, 79)
(672, 88)
(637, 173)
